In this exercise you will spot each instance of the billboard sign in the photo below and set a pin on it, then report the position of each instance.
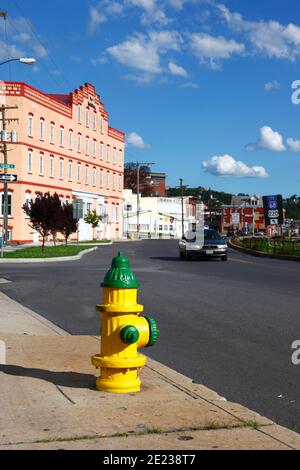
(273, 210)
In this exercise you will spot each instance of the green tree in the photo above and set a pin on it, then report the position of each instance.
(130, 178)
(44, 214)
(93, 218)
(67, 224)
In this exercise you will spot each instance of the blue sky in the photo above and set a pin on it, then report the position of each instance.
(201, 87)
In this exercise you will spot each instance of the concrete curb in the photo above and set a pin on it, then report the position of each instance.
(16, 310)
(48, 260)
(261, 254)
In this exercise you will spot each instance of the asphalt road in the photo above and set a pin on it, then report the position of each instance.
(229, 326)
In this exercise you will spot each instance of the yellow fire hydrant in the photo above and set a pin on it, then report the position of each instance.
(123, 331)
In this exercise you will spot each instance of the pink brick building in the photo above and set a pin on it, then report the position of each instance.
(64, 145)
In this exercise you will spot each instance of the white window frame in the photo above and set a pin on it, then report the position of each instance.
(101, 151)
(42, 129)
(10, 194)
(86, 175)
(78, 172)
(61, 136)
(61, 169)
(41, 164)
(101, 125)
(29, 161)
(107, 179)
(79, 114)
(120, 183)
(114, 155)
(70, 167)
(79, 143)
(95, 121)
(108, 153)
(52, 133)
(71, 140)
(30, 125)
(94, 148)
(87, 146)
(94, 176)
(101, 179)
(87, 118)
(114, 182)
(51, 167)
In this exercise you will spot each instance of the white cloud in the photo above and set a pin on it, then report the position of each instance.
(13, 51)
(189, 85)
(138, 54)
(152, 11)
(75, 58)
(226, 165)
(135, 140)
(294, 145)
(20, 30)
(114, 8)
(95, 19)
(273, 85)
(268, 140)
(212, 48)
(142, 52)
(177, 70)
(100, 60)
(269, 38)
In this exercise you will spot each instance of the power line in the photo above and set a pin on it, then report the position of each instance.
(68, 83)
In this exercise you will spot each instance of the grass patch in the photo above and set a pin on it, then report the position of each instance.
(49, 252)
(92, 242)
(213, 425)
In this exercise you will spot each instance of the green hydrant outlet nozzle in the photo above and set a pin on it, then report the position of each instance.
(129, 334)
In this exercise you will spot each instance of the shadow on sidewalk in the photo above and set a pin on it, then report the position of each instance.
(64, 379)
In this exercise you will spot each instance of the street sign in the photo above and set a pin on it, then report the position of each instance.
(8, 177)
(7, 165)
(273, 210)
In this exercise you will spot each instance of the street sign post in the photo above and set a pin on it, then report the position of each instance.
(7, 165)
(8, 177)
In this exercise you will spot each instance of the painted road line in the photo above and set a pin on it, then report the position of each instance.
(238, 260)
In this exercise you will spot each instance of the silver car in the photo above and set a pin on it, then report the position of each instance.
(214, 246)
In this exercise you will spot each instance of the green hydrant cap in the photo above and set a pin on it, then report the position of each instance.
(129, 334)
(120, 275)
(154, 331)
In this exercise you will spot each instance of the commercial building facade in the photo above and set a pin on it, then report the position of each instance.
(64, 145)
(158, 216)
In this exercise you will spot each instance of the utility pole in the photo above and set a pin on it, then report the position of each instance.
(138, 200)
(209, 207)
(138, 165)
(4, 150)
(182, 208)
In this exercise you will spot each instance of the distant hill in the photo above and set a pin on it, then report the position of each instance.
(218, 197)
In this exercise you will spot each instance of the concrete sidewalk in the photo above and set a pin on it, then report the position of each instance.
(48, 400)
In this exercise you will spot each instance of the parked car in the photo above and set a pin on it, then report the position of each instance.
(214, 246)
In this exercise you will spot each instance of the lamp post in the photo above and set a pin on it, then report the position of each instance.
(3, 108)
(138, 165)
(23, 60)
